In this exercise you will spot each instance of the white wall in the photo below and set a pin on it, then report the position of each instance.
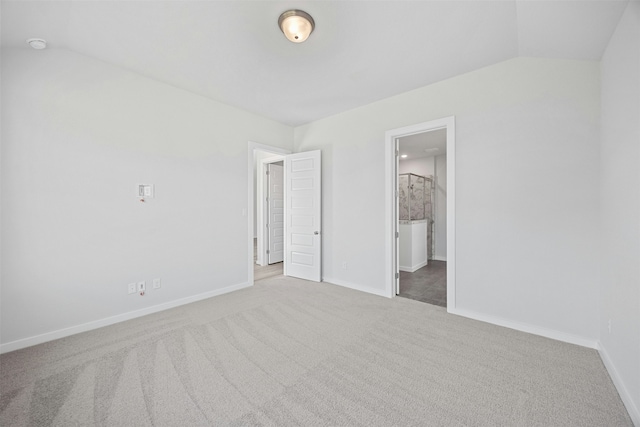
(620, 195)
(77, 135)
(527, 166)
(424, 166)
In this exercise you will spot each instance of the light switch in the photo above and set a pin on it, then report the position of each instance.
(145, 190)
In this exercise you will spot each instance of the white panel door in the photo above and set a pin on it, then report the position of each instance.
(303, 241)
(275, 213)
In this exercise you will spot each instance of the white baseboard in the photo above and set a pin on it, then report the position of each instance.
(413, 268)
(523, 327)
(626, 397)
(440, 258)
(61, 333)
(361, 288)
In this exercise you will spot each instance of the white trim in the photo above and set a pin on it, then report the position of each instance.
(451, 212)
(439, 258)
(252, 147)
(61, 333)
(413, 268)
(390, 216)
(626, 397)
(353, 286)
(259, 188)
(524, 327)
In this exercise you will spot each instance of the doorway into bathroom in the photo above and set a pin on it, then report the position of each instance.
(422, 216)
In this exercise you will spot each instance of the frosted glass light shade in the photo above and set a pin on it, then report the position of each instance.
(296, 25)
(37, 43)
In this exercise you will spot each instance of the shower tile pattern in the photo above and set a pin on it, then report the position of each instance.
(412, 195)
(416, 203)
(403, 196)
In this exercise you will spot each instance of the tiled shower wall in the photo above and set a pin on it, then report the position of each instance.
(416, 203)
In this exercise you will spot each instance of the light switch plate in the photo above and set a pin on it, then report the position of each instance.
(145, 190)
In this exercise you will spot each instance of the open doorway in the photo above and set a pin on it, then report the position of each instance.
(422, 216)
(269, 219)
(260, 156)
(392, 216)
(301, 212)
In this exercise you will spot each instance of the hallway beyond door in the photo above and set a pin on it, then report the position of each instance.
(263, 272)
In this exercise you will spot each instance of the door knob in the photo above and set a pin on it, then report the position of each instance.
(316, 232)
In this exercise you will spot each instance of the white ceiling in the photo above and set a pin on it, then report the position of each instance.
(425, 144)
(360, 52)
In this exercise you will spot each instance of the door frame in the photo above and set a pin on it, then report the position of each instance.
(391, 219)
(251, 170)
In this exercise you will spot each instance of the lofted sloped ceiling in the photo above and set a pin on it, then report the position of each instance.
(360, 51)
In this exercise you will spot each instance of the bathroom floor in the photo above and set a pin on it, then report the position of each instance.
(428, 284)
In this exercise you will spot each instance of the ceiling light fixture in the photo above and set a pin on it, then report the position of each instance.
(296, 25)
(37, 43)
(404, 156)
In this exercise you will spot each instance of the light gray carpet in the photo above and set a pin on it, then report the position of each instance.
(290, 352)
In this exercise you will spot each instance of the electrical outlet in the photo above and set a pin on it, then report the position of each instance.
(156, 283)
(132, 288)
(142, 286)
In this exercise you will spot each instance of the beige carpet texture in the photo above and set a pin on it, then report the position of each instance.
(287, 352)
